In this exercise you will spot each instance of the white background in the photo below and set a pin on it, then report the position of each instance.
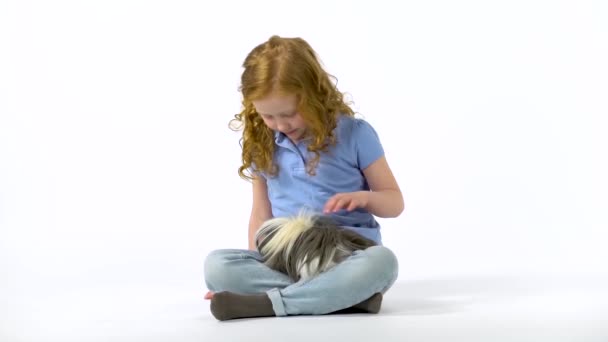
(118, 169)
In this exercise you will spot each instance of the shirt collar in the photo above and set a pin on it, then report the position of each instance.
(278, 136)
(282, 140)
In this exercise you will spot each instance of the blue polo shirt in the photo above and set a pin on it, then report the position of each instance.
(339, 170)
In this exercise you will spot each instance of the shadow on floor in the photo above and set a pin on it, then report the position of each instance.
(456, 294)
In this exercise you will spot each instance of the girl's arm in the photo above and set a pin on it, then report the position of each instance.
(260, 210)
(385, 198)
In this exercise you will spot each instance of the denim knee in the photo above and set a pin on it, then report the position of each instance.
(217, 272)
(382, 264)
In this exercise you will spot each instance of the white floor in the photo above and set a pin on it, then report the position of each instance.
(468, 308)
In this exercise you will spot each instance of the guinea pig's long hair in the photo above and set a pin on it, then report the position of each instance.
(306, 245)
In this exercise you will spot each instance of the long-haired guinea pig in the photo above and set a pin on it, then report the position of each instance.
(306, 245)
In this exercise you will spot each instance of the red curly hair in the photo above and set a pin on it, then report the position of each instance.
(286, 66)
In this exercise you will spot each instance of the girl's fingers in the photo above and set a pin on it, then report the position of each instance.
(340, 204)
(352, 206)
(332, 204)
(329, 206)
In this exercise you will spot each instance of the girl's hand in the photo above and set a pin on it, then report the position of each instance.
(347, 200)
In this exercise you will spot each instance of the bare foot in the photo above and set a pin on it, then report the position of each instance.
(209, 295)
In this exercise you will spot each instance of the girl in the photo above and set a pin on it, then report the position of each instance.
(303, 148)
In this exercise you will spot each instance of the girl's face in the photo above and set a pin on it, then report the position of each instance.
(280, 113)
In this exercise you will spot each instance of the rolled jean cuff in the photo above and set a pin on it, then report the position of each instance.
(277, 302)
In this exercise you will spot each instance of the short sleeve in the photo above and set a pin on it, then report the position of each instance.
(252, 170)
(367, 143)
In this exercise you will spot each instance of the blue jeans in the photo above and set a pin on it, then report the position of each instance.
(354, 280)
